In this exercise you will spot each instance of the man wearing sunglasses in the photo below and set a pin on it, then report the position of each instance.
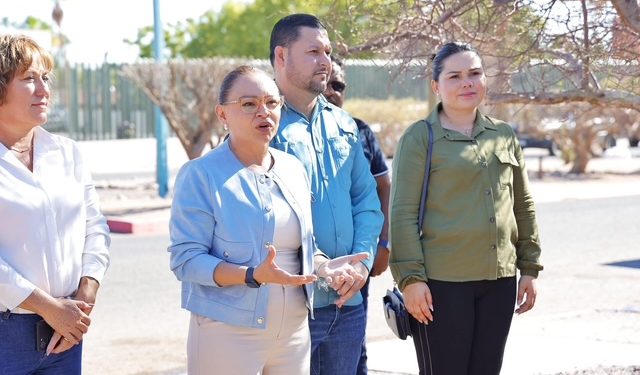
(345, 207)
(335, 94)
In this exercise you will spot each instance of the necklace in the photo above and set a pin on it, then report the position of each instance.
(444, 119)
(467, 132)
(463, 131)
(20, 150)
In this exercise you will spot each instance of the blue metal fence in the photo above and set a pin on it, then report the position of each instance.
(93, 103)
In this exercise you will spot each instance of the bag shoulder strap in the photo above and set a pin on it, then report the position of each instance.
(425, 181)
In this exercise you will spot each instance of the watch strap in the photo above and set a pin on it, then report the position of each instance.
(249, 279)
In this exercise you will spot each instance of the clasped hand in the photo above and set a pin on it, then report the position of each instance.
(346, 275)
(70, 321)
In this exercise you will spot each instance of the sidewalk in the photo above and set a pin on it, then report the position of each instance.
(125, 180)
(541, 342)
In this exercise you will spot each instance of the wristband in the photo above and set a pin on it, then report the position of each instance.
(383, 243)
(249, 280)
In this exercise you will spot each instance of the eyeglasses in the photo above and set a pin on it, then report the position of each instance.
(251, 104)
(338, 86)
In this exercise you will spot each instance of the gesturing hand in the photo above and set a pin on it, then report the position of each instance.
(345, 274)
(269, 272)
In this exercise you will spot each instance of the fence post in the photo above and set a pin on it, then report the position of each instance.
(540, 170)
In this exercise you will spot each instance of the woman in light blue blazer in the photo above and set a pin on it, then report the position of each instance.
(232, 209)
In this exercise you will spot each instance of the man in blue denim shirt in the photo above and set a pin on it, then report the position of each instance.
(335, 94)
(346, 210)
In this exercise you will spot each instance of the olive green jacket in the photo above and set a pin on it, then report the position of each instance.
(480, 221)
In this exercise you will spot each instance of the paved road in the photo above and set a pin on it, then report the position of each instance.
(587, 314)
(588, 310)
(138, 326)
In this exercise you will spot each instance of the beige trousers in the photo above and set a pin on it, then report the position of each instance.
(283, 348)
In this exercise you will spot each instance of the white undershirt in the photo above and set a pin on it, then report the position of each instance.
(287, 235)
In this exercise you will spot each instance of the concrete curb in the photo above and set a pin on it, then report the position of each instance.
(151, 222)
(149, 216)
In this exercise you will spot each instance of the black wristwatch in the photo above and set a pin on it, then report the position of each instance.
(249, 280)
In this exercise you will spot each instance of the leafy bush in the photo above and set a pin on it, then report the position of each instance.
(388, 118)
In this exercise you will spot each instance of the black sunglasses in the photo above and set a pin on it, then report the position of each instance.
(338, 86)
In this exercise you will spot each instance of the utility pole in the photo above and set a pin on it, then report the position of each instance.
(162, 169)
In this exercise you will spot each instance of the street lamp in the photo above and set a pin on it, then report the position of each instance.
(162, 169)
(57, 14)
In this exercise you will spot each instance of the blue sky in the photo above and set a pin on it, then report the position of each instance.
(96, 28)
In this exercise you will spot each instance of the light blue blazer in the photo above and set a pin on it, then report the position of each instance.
(222, 212)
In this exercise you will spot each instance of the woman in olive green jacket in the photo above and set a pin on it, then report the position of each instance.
(459, 277)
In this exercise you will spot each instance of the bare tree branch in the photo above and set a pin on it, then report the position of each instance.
(629, 13)
(187, 93)
(543, 52)
(605, 98)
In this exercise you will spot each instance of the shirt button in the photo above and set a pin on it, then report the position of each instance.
(260, 320)
(492, 219)
(493, 247)
(488, 191)
(226, 254)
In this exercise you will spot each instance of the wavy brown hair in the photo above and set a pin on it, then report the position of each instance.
(17, 54)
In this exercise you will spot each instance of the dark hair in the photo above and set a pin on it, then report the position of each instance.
(337, 60)
(231, 78)
(286, 30)
(444, 52)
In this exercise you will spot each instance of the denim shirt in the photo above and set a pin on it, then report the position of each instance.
(345, 205)
(221, 211)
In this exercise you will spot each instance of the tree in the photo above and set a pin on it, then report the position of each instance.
(187, 93)
(536, 52)
(186, 90)
(242, 30)
(629, 13)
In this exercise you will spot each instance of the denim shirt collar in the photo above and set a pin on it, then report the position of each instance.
(321, 105)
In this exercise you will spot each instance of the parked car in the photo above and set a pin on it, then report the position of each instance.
(57, 120)
(533, 141)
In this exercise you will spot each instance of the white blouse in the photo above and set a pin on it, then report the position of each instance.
(52, 232)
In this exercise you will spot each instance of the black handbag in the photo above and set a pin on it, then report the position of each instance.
(395, 313)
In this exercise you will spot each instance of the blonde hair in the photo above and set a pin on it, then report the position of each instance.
(17, 54)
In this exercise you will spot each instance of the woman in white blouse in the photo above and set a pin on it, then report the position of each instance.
(53, 239)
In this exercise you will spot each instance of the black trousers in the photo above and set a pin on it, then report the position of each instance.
(471, 322)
